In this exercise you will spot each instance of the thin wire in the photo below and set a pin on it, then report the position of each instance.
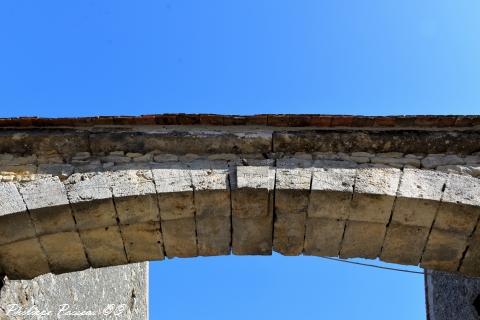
(372, 265)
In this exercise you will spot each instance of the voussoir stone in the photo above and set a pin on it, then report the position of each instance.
(92, 204)
(371, 207)
(136, 204)
(456, 219)
(211, 185)
(173, 183)
(416, 206)
(329, 207)
(252, 209)
(47, 202)
(292, 189)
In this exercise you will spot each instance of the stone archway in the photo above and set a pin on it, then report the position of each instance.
(107, 191)
(140, 213)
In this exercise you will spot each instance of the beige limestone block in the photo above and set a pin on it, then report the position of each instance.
(173, 183)
(252, 210)
(404, 244)
(180, 238)
(323, 236)
(47, 202)
(331, 193)
(375, 190)
(136, 203)
(23, 259)
(135, 195)
(143, 241)
(15, 223)
(65, 252)
(460, 207)
(443, 251)
(91, 199)
(104, 246)
(362, 240)
(212, 207)
(292, 189)
(418, 197)
(470, 265)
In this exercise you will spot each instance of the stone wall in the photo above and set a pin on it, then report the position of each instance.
(119, 292)
(451, 297)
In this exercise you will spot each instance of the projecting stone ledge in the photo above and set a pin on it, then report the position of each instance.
(119, 292)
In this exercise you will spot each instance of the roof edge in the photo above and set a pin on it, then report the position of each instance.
(274, 120)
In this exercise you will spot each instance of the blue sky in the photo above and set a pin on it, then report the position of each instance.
(64, 58)
(78, 58)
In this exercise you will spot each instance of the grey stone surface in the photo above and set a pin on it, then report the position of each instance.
(452, 297)
(174, 187)
(292, 190)
(91, 199)
(332, 189)
(456, 219)
(433, 161)
(212, 207)
(375, 191)
(252, 209)
(108, 293)
(15, 223)
(418, 197)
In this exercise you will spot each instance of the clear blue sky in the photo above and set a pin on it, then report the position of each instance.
(74, 58)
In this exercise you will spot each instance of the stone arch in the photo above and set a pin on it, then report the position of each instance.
(145, 212)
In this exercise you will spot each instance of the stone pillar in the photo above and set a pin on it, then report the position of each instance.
(119, 292)
(451, 297)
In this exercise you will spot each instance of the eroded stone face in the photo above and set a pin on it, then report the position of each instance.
(97, 293)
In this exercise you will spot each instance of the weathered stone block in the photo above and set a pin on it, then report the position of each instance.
(15, 223)
(471, 262)
(362, 240)
(292, 189)
(457, 218)
(135, 196)
(375, 190)
(143, 241)
(253, 236)
(252, 210)
(91, 200)
(443, 251)
(104, 246)
(212, 207)
(121, 292)
(289, 234)
(331, 193)
(404, 244)
(323, 236)
(180, 238)
(23, 259)
(174, 187)
(418, 197)
(64, 251)
(92, 204)
(460, 207)
(47, 202)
